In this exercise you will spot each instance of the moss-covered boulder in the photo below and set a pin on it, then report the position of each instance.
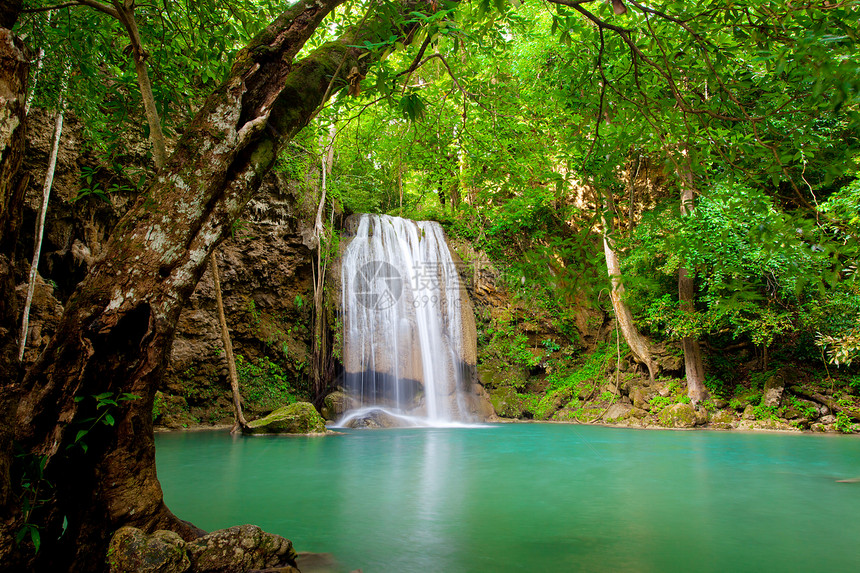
(496, 374)
(506, 403)
(724, 419)
(678, 416)
(336, 403)
(241, 548)
(298, 418)
(133, 551)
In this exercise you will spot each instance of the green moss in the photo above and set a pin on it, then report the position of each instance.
(298, 418)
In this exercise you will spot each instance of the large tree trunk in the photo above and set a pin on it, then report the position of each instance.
(14, 71)
(116, 332)
(693, 365)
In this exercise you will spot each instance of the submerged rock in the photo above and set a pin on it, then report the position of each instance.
(298, 418)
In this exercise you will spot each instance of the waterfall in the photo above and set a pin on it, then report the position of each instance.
(404, 334)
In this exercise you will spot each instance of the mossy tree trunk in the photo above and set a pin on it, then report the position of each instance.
(115, 335)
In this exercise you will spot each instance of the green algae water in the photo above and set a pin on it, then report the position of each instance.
(531, 497)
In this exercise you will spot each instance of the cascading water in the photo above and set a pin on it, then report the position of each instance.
(405, 338)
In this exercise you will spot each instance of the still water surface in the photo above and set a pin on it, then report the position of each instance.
(531, 497)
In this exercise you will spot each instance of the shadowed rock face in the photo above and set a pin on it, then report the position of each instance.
(409, 326)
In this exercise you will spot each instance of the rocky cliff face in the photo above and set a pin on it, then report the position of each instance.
(265, 273)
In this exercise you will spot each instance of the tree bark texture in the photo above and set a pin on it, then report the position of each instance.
(40, 226)
(118, 326)
(637, 343)
(14, 70)
(693, 364)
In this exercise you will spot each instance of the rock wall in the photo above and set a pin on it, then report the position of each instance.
(265, 268)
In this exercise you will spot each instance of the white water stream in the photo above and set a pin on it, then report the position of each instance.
(403, 329)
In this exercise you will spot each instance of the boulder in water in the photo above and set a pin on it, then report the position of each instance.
(376, 418)
(336, 404)
(298, 418)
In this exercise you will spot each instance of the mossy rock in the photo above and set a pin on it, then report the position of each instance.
(494, 374)
(298, 418)
(678, 416)
(336, 404)
(723, 419)
(172, 412)
(506, 403)
(133, 551)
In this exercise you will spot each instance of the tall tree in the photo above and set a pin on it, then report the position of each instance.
(113, 340)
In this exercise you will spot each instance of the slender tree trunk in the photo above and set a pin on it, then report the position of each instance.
(638, 344)
(125, 14)
(116, 331)
(40, 59)
(319, 350)
(693, 365)
(43, 212)
(14, 72)
(238, 418)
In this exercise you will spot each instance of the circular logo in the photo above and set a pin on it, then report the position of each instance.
(378, 285)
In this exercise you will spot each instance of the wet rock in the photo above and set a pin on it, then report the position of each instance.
(298, 418)
(678, 416)
(240, 548)
(375, 419)
(318, 563)
(133, 551)
(477, 404)
(336, 404)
